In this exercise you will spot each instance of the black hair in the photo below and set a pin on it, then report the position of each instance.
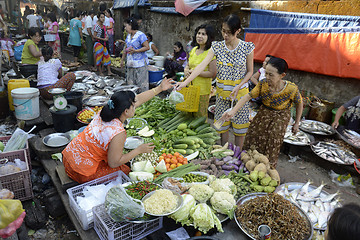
(344, 223)
(269, 56)
(210, 32)
(47, 52)
(121, 101)
(279, 63)
(177, 54)
(91, 12)
(234, 23)
(84, 13)
(149, 36)
(109, 11)
(33, 30)
(77, 14)
(133, 23)
(99, 14)
(52, 17)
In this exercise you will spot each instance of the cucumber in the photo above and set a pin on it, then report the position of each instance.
(207, 130)
(190, 132)
(189, 151)
(174, 125)
(182, 151)
(197, 122)
(197, 145)
(193, 147)
(187, 141)
(209, 141)
(207, 135)
(195, 138)
(169, 121)
(180, 146)
(205, 125)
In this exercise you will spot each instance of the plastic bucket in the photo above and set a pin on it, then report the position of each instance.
(64, 120)
(74, 98)
(26, 103)
(159, 61)
(155, 76)
(13, 84)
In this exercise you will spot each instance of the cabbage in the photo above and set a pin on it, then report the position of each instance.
(224, 203)
(223, 185)
(138, 166)
(149, 167)
(204, 218)
(183, 214)
(161, 167)
(141, 176)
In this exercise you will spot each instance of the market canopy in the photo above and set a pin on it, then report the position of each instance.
(323, 44)
(172, 10)
(129, 3)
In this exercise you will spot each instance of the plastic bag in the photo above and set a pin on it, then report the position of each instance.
(176, 97)
(175, 185)
(18, 140)
(341, 180)
(120, 206)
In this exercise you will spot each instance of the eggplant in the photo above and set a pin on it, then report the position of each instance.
(226, 172)
(227, 167)
(227, 159)
(237, 162)
(237, 151)
(242, 166)
(235, 167)
(231, 146)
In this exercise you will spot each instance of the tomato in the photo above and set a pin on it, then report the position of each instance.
(164, 155)
(185, 162)
(167, 160)
(176, 154)
(173, 160)
(172, 166)
(161, 158)
(169, 156)
(178, 165)
(167, 166)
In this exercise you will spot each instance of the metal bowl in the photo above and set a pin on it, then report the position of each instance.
(57, 139)
(295, 185)
(179, 205)
(144, 123)
(56, 91)
(251, 196)
(133, 142)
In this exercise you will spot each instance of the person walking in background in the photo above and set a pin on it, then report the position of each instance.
(203, 37)
(101, 54)
(54, 29)
(234, 62)
(153, 51)
(88, 33)
(33, 19)
(109, 24)
(75, 36)
(136, 59)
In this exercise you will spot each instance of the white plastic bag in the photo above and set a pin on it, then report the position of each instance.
(341, 180)
(18, 140)
(175, 97)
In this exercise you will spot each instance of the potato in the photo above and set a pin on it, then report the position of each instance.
(260, 167)
(260, 158)
(245, 158)
(274, 175)
(250, 165)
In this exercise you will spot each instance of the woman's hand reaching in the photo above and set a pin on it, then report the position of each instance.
(295, 128)
(180, 85)
(166, 84)
(146, 148)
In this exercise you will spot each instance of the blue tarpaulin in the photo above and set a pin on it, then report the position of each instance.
(171, 10)
(129, 3)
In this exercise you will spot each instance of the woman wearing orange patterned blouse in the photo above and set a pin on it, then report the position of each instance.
(98, 150)
(266, 131)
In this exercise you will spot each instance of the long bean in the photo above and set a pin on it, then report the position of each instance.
(177, 172)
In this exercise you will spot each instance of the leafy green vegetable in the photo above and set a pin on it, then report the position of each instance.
(183, 214)
(204, 218)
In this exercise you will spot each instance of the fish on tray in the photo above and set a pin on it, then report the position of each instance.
(353, 137)
(299, 137)
(334, 153)
(317, 127)
(315, 203)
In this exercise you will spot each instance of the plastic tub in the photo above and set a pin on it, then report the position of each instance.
(26, 103)
(74, 98)
(15, 83)
(159, 61)
(155, 76)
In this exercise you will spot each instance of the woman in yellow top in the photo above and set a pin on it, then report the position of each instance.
(203, 37)
(31, 53)
(267, 130)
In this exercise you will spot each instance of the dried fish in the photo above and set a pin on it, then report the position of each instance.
(279, 214)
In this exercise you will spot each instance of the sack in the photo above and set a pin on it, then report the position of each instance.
(176, 97)
(18, 52)
(120, 206)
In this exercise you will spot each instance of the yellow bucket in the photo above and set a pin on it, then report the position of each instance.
(16, 83)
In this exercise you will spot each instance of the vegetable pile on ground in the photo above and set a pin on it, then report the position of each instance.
(279, 214)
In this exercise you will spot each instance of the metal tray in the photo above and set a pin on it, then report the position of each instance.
(133, 142)
(96, 101)
(295, 185)
(311, 138)
(57, 139)
(250, 196)
(335, 146)
(179, 205)
(343, 137)
(316, 132)
(56, 91)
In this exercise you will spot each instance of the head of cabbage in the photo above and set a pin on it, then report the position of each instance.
(183, 214)
(204, 218)
(224, 185)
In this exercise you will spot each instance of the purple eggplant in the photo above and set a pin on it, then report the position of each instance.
(237, 162)
(237, 152)
(236, 168)
(231, 146)
(226, 172)
(227, 159)
(242, 166)
(227, 167)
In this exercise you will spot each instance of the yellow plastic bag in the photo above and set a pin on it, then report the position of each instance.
(10, 210)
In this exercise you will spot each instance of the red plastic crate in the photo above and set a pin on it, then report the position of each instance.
(19, 183)
(5, 140)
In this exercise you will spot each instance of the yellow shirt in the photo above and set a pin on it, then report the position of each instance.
(194, 60)
(277, 101)
(27, 57)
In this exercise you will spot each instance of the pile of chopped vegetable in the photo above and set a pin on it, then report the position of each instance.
(139, 189)
(279, 214)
